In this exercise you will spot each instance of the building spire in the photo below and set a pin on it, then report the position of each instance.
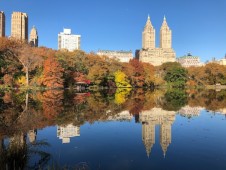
(164, 21)
(148, 20)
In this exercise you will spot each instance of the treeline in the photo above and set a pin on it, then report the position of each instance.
(25, 66)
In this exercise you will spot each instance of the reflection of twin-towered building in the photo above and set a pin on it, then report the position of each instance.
(149, 120)
(67, 132)
(149, 53)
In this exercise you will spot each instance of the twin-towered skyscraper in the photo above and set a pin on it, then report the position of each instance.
(19, 28)
(149, 53)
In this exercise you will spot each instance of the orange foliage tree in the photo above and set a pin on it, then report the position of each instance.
(52, 73)
(137, 74)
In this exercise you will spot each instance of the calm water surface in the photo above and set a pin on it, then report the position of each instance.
(113, 130)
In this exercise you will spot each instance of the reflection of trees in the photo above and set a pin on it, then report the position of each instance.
(17, 153)
(209, 99)
(52, 103)
(174, 100)
(21, 113)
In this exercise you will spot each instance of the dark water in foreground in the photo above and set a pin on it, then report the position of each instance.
(113, 130)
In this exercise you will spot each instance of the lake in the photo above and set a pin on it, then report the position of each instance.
(113, 129)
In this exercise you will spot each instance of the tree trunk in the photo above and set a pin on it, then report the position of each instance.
(27, 76)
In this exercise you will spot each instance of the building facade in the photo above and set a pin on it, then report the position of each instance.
(149, 53)
(68, 41)
(189, 61)
(2, 24)
(122, 56)
(222, 61)
(34, 37)
(19, 26)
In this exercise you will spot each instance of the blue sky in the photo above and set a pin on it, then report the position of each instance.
(199, 26)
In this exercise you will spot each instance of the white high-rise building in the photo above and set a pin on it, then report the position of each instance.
(68, 41)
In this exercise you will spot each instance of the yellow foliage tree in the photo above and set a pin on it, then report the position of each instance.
(121, 80)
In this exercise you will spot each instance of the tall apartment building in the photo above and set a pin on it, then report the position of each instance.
(2, 24)
(68, 41)
(149, 53)
(19, 26)
(34, 37)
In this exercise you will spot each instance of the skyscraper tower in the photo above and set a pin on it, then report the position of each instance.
(148, 35)
(34, 37)
(148, 136)
(165, 35)
(2, 24)
(19, 26)
(165, 136)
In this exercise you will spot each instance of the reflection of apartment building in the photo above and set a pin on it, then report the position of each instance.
(32, 135)
(122, 116)
(67, 132)
(222, 111)
(189, 61)
(189, 111)
(122, 56)
(149, 53)
(2, 24)
(149, 120)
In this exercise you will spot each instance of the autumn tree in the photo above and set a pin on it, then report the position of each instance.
(15, 52)
(215, 73)
(210, 74)
(52, 73)
(135, 72)
(28, 59)
(149, 74)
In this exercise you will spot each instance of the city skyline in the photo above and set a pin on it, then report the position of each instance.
(197, 27)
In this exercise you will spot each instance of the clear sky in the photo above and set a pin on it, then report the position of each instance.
(198, 26)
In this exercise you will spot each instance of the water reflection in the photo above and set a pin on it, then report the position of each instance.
(66, 132)
(152, 118)
(24, 115)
